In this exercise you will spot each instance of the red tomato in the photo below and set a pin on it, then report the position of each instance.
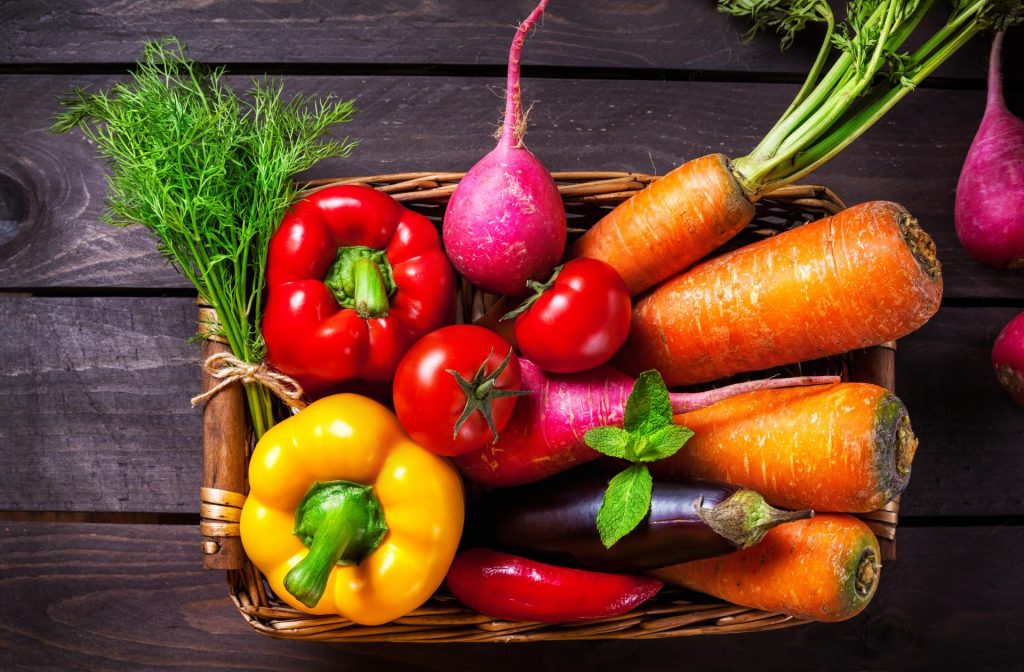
(578, 320)
(430, 401)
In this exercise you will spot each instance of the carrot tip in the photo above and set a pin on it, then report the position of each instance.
(868, 570)
(906, 446)
(921, 245)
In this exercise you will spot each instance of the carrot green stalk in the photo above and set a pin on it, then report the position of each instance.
(846, 447)
(680, 218)
(861, 277)
(824, 568)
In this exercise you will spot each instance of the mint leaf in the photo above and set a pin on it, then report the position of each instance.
(662, 442)
(649, 405)
(647, 435)
(625, 503)
(612, 441)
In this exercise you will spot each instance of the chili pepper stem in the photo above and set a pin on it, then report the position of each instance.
(342, 523)
(371, 296)
(744, 518)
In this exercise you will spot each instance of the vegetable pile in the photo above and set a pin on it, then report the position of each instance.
(594, 484)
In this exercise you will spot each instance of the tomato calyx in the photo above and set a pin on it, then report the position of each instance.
(538, 289)
(480, 393)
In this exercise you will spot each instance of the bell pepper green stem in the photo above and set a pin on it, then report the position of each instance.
(371, 296)
(361, 278)
(308, 579)
(342, 523)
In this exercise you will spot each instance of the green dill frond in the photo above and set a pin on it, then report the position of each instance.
(207, 171)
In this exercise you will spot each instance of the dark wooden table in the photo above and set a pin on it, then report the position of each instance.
(100, 450)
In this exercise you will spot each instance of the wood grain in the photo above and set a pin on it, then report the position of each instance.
(97, 391)
(52, 188)
(642, 34)
(132, 597)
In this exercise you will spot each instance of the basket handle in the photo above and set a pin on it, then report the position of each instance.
(876, 364)
(225, 446)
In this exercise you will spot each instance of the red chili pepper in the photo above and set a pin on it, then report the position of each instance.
(505, 586)
(353, 279)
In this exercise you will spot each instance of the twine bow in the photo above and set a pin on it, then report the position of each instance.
(227, 368)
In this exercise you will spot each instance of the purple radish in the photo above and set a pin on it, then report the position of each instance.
(1008, 359)
(505, 222)
(990, 193)
(545, 434)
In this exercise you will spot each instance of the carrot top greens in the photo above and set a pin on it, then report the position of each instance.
(870, 72)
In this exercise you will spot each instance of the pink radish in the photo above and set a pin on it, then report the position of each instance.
(545, 434)
(990, 193)
(1008, 359)
(505, 222)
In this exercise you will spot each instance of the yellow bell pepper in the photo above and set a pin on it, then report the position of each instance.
(346, 515)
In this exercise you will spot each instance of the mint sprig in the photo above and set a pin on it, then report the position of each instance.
(647, 434)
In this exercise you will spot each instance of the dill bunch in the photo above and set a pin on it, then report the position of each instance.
(209, 173)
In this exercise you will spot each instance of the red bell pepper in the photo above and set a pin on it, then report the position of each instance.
(353, 279)
(506, 586)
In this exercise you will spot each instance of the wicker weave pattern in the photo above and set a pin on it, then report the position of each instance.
(673, 612)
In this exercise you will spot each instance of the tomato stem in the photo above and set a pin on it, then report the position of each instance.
(538, 289)
(480, 392)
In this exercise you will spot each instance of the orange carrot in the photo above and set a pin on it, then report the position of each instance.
(845, 447)
(859, 278)
(678, 219)
(671, 224)
(825, 568)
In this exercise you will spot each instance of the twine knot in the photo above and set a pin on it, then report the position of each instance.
(228, 369)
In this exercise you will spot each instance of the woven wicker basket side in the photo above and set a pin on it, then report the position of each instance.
(672, 613)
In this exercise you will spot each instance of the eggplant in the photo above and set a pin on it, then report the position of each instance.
(556, 520)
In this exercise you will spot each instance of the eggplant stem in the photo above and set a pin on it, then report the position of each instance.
(744, 517)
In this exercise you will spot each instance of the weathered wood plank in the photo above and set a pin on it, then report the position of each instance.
(944, 376)
(645, 34)
(52, 188)
(131, 597)
(96, 392)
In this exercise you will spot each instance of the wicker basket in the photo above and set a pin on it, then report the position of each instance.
(672, 613)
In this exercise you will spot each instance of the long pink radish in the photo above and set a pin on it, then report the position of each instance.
(505, 222)
(989, 211)
(545, 434)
